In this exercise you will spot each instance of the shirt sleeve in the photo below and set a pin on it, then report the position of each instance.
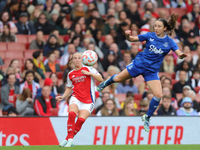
(92, 70)
(174, 46)
(143, 37)
(69, 82)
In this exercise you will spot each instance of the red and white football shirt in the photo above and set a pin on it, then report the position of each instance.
(83, 85)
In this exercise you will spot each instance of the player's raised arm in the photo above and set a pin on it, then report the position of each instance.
(180, 54)
(131, 38)
(68, 91)
(97, 77)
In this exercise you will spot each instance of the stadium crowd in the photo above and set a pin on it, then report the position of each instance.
(38, 38)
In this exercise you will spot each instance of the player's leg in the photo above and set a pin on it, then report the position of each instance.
(156, 88)
(84, 113)
(122, 76)
(73, 110)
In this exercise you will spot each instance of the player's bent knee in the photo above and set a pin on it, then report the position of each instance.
(158, 95)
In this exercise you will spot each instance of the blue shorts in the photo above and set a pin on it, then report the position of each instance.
(136, 71)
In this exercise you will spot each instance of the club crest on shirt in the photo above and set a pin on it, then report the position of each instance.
(165, 44)
(73, 76)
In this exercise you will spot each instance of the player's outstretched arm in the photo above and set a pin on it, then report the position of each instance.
(131, 38)
(180, 54)
(68, 91)
(95, 76)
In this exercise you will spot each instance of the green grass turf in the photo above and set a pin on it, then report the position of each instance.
(107, 147)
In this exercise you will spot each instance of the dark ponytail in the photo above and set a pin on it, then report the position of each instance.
(171, 24)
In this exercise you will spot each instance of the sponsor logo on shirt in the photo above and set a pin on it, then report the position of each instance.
(155, 50)
(151, 39)
(79, 79)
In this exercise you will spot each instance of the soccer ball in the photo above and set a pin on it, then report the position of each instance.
(89, 58)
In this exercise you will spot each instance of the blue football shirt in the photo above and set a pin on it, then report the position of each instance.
(155, 51)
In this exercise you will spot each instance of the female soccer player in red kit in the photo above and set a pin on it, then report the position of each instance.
(81, 81)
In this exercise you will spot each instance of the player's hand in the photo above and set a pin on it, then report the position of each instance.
(183, 55)
(128, 32)
(59, 98)
(86, 72)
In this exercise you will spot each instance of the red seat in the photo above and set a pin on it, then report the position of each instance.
(46, 37)
(41, 82)
(16, 46)
(14, 54)
(47, 74)
(22, 38)
(157, 10)
(2, 55)
(137, 97)
(29, 53)
(103, 38)
(174, 81)
(197, 98)
(15, 99)
(60, 75)
(121, 97)
(3, 46)
(60, 82)
(8, 60)
(30, 38)
(179, 96)
(173, 75)
(54, 111)
(140, 10)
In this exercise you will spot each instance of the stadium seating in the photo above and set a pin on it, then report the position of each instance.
(2, 54)
(31, 38)
(3, 46)
(14, 54)
(21, 38)
(16, 46)
(120, 97)
(60, 75)
(179, 96)
(179, 11)
(137, 97)
(29, 53)
(197, 89)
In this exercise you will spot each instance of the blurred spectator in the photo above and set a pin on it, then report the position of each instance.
(128, 109)
(81, 28)
(5, 18)
(186, 108)
(144, 106)
(78, 11)
(78, 30)
(52, 66)
(8, 91)
(149, 27)
(24, 26)
(77, 43)
(143, 3)
(97, 34)
(186, 49)
(163, 14)
(198, 65)
(166, 82)
(167, 64)
(187, 67)
(149, 7)
(47, 82)
(2, 4)
(178, 4)
(12, 112)
(91, 6)
(12, 7)
(70, 37)
(52, 44)
(195, 57)
(134, 51)
(22, 8)
(48, 6)
(64, 107)
(55, 87)
(101, 6)
(121, 35)
(191, 42)
(30, 83)
(109, 60)
(113, 70)
(54, 16)
(35, 15)
(118, 55)
(43, 25)
(69, 50)
(195, 80)
(191, 94)
(122, 17)
(38, 43)
(29, 65)
(9, 70)
(100, 101)
(126, 60)
(60, 39)
(61, 25)
(129, 94)
(166, 109)
(127, 85)
(24, 103)
(15, 64)
(38, 61)
(6, 35)
(65, 7)
(149, 95)
(111, 24)
(195, 13)
(133, 13)
(109, 109)
(177, 87)
(167, 92)
(186, 88)
(43, 104)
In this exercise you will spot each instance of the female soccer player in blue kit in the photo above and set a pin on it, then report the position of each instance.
(147, 63)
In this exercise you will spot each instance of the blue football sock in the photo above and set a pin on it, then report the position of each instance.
(111, 80)
(153, 106)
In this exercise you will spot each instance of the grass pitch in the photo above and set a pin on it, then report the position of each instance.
(107, 147)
